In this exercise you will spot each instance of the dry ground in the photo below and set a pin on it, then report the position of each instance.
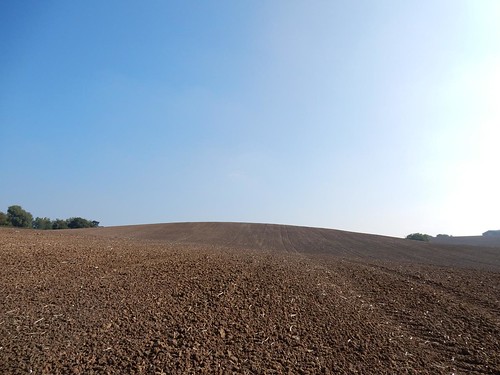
(241, 298)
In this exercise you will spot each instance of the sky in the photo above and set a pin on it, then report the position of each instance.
(368, 116)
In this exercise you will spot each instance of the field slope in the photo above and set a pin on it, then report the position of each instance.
(244, 298)
(307, 241)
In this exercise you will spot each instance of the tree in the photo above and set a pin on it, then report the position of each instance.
(492, 233)
(3, 219)
(418, 237)
(80, 222)
(59, 224)
(42, 223)
(19, 217)
(77, 222)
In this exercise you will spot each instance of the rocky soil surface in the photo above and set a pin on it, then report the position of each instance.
(245, 299)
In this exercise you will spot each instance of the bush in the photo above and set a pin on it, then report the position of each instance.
(19, 217)
(418, 237)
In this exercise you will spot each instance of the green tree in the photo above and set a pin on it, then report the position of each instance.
(42, 223)
(59, 224)
(418, 237)
(19, 217)
(80, 222)
(4, 219)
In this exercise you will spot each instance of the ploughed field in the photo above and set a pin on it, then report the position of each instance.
(221, 298)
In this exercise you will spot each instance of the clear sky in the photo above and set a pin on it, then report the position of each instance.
(370, 116)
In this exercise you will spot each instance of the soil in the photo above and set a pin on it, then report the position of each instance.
(221, 298)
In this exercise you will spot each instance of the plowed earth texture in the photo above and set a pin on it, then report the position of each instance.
(242, 298)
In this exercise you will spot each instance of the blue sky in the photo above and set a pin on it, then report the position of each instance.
(370, 116)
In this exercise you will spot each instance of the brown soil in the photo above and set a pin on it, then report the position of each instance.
(242, 298)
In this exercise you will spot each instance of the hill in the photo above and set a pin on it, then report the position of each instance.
(222, 298)
(307, 240)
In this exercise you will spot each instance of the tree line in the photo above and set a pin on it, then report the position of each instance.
(16, 216)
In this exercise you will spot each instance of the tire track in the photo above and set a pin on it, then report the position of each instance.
(488, 307)
(431, 316)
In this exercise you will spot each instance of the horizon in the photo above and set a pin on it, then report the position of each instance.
(377, 118)
(255, 223)
(293, 225)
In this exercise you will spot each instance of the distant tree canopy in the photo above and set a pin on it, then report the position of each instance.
(418, 237)
(80, 222)
(59, 224)
(3, 219)
(18, 217)
(42, 223)
(443, 236)
(492, 233)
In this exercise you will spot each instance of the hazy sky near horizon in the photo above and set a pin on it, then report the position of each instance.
(369, 116)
